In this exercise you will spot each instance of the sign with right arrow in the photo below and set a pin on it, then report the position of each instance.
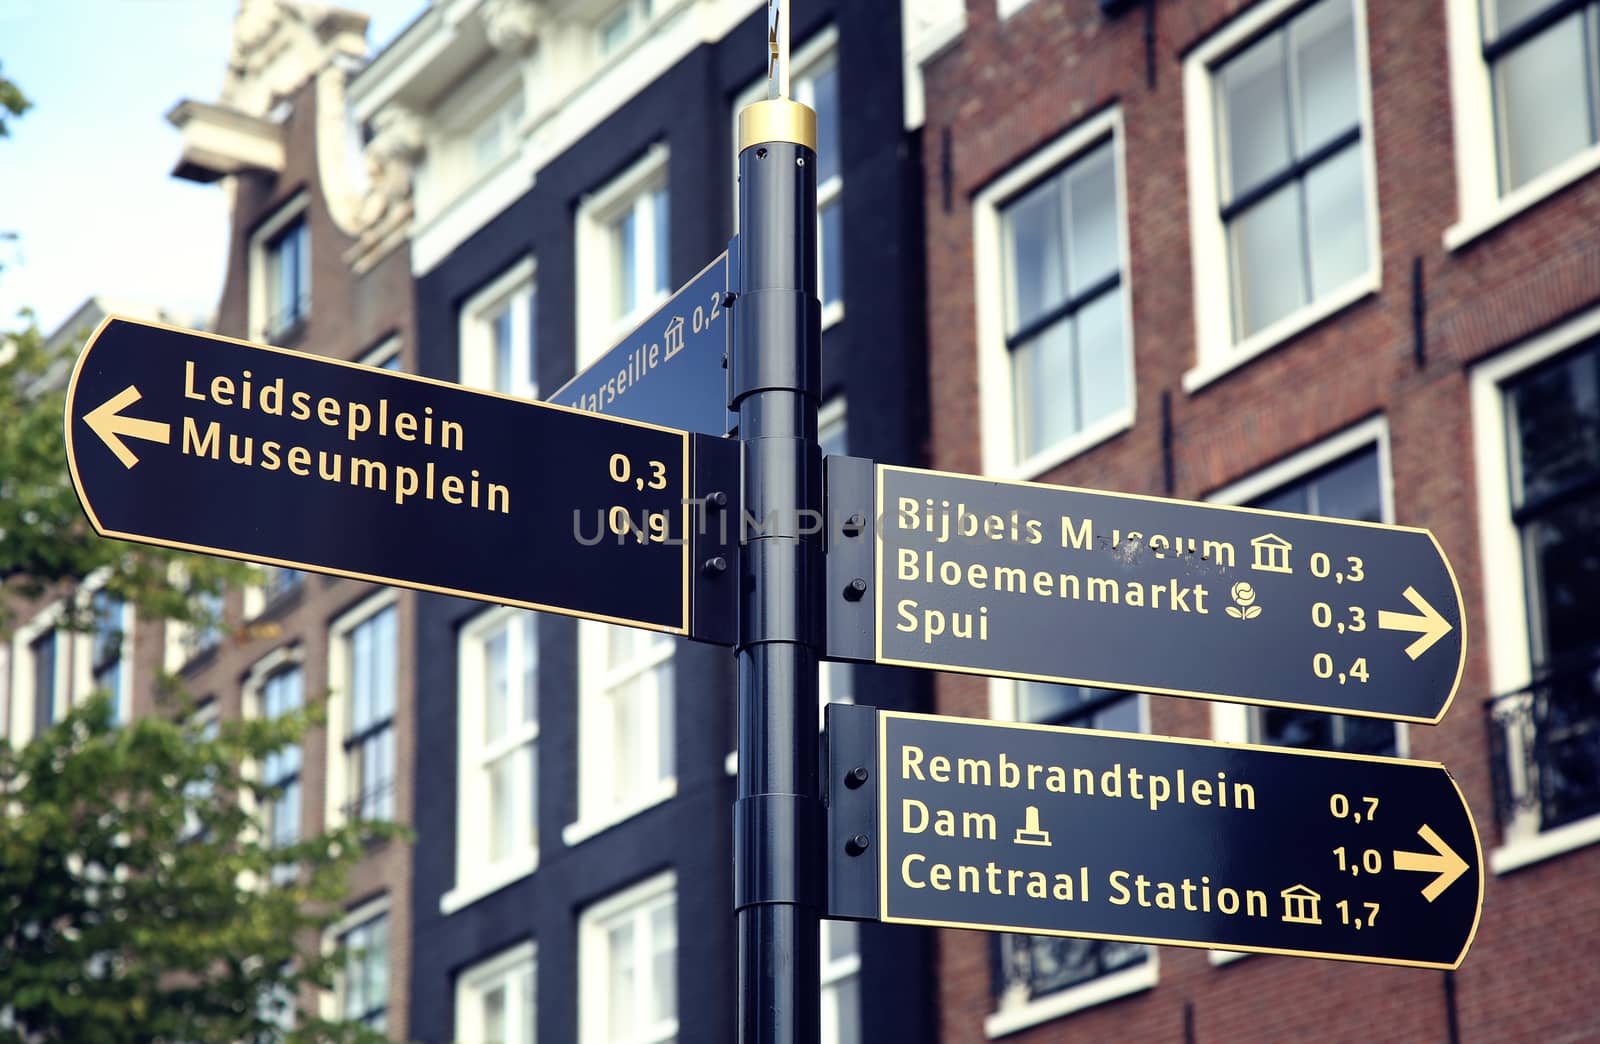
(1058, 831)
(1025, 580)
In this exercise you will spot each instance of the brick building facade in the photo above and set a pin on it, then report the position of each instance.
(1331, 257)
(309, 267)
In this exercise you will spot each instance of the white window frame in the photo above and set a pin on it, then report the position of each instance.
(260, 240)
(818, 51)
(597, 752)
(1217, 352)
(283, 658)
(477, 979)
(476, 875)
(598, 330)
(1504, 578)
(995, 387)
(515, 289)
(331, 1002)
(337, 780)
(638, 902)
(1122, 983)
(1480, 206)
(1230, 722)
(22, 726)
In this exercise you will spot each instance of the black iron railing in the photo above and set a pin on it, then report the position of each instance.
(1545, 746)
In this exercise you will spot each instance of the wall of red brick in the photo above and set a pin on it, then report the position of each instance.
(1004, 90)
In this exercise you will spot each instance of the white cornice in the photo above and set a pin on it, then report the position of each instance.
(218, 141)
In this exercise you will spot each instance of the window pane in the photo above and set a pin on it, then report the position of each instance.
(504, 349)
(497, 685)
(1102, 358)
(625, 291)
(841, 939)
(1255, 116)
(1092, 201)
(502, 805)
(1268, 252)
(494, 1015)
(1036, 272)
(1325, 52)
(1348, 489)
(1537, 130)
(1556, 423)
(661, 214)
(1508, 14)
(664, 962)
(44, 681)
(1336, 209)
(620, 962)
(1042, 387)
(832, 217)
(825, 100)
(665, 732)
(1564, 579)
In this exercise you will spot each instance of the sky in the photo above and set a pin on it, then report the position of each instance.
(85, 177)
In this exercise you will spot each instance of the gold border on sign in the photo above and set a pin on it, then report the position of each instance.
(94, 519)
(1455, 585)
(883, 847)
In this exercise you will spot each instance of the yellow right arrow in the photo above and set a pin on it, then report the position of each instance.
(1431, 625)
(1442, 861)
(106, 421)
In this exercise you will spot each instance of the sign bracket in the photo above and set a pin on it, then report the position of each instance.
(850, 601)
(852, 801)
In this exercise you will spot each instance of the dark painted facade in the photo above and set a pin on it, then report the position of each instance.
(873, 357)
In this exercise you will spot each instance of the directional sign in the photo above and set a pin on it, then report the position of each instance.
(209, 444)
(1056, 831)
(1045, 582)
(669, 370)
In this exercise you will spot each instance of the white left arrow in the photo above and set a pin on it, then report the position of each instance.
(106, 421)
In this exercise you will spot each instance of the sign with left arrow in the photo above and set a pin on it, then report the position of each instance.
(1059, 831)
(206, 443)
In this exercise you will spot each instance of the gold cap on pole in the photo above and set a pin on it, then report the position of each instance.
(777, 119)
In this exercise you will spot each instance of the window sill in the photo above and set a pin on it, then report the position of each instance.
(1279, 332)
(1111, 987)
(491, 880)
(575, 833)
(1470, 228)
(1515, 855)
(1082, 442)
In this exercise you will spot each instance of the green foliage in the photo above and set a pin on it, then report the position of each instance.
(45, 538)
(12, 103)
(133, 896)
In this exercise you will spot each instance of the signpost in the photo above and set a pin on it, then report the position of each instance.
(670, 369)
(209, 444)
(1032, 828)
(1024, 580)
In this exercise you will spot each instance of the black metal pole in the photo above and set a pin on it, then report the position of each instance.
(775, 385)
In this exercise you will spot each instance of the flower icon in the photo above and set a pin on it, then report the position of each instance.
(1245, 597)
